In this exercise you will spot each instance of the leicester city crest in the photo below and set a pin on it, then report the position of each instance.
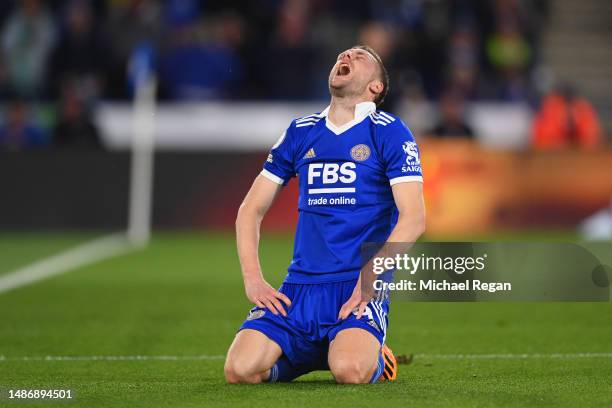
(255, 314)
(360, 152)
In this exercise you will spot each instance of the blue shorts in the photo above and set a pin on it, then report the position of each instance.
(312, 321)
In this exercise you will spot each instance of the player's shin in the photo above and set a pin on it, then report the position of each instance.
(379, 369)
(284, 371)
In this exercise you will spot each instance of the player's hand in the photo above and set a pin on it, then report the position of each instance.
(354, 302)
(265, 296)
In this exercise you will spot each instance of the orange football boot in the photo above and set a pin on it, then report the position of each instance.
(390, 371)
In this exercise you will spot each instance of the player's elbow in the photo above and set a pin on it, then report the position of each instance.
(413, 226)
(247, 214)
(240, 215)
(420, 226)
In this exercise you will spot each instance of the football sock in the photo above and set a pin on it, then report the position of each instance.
(379, 369)
(284, 371)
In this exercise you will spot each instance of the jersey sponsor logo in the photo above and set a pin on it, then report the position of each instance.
(413, 162)
(332, 173)
(360, 152)
(270, 158)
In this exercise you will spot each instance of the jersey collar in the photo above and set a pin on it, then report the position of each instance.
(362, 110)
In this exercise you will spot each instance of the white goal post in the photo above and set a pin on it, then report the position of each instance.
(142, 157)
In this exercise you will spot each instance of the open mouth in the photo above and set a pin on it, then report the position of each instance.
(344, 70)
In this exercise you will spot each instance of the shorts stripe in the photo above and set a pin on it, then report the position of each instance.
(377, 306)
(379, 314)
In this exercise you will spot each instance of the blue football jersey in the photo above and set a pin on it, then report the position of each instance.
(345, 176)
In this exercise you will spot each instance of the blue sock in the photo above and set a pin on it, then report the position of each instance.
(284, 371)
(379, 369)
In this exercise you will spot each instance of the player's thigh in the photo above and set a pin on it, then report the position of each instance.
(353, 355)
(251, 352)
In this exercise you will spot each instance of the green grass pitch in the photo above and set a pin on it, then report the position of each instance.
(183, 296)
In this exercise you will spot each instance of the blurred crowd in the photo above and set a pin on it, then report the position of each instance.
(60, 57)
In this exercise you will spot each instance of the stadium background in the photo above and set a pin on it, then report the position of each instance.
(510, 101)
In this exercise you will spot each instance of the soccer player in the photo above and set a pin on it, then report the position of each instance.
(360, 181)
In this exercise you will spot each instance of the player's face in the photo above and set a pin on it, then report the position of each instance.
(352, 73)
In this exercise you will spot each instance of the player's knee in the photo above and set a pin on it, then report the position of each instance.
(235, 372)
(238, 372)
(347, 371)
(231, 374)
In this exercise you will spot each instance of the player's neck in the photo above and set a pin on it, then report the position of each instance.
(341, 110)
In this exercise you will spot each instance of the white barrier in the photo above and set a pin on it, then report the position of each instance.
(255, 126)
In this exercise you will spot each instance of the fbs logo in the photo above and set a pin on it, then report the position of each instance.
(331, 173)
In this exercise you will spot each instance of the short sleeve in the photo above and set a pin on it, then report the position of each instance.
(401, 155)
(279, 166)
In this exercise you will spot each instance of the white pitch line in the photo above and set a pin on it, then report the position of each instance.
(112, 358)
(221, 357)
(85, 254)
(511, 356)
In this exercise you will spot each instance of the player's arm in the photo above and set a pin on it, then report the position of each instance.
(250, 214)
(410, 226)
(410, 204)
(404, 171)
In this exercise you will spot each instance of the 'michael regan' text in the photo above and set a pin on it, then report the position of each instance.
(443, 285)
